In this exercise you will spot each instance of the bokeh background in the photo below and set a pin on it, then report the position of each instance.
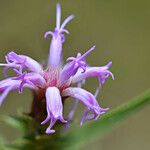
(121, 31)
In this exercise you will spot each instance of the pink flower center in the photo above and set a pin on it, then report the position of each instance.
(52, 77)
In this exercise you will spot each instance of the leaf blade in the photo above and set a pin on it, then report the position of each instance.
(107, 121)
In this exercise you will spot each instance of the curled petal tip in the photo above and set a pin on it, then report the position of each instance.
(48, 33)
(83, 69)
(43, 122)
(112, 75)
(81, 123)
(71, 17)
(63, 121)
(70, 58)
(109, 64)
(104, 109)
(49, 131)
(79, 54)
(97, 116)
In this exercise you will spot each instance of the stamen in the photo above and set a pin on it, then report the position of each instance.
(84, 116)
(97, 90)
(58, 16)
(66, 21)
(86, 53)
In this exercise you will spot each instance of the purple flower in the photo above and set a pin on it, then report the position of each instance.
(54, 108)
(56, 82)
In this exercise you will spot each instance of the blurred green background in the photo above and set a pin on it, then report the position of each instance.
(121, 31)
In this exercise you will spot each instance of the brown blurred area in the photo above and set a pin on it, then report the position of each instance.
(121, 31)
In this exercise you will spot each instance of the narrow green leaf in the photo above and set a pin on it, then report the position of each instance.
(107, 121)
(19, 122)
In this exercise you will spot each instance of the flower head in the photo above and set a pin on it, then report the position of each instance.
(56, 82)
(58, 38)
